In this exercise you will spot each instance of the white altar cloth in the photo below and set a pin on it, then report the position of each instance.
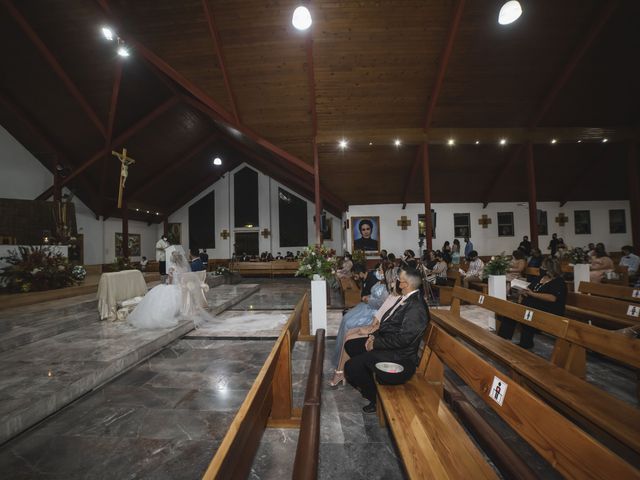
(118, 286)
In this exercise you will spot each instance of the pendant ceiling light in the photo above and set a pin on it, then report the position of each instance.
(509, 12)
(301, 18)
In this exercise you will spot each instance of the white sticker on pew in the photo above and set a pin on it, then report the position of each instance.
(635, 294)
(633, 311)
(480, 299)
(528, 315)
(498, 390)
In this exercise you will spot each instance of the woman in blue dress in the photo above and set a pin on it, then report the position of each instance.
(362, 314)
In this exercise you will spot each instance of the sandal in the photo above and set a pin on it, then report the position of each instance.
(338, 378)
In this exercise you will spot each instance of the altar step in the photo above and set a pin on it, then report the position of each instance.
(42, 376)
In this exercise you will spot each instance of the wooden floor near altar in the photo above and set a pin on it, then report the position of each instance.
(164, 417)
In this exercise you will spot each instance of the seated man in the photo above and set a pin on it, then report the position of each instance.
(397, 340)
(196, 262)
(474, 272)
(630, 260)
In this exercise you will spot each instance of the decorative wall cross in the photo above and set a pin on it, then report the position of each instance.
(124, 171)
(265, 233)
(224, 234)
(484, 221)
(404, 222)
(561, 219)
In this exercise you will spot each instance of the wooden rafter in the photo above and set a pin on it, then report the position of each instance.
(53, 62)
(437, 86)
(602, 17)
(217, 45)
(111, 120)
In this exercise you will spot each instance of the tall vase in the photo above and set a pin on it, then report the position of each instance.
(318, 304)
(498, 289)
(580, 274)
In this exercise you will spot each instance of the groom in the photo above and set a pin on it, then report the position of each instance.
(397, 340)
(161, 256)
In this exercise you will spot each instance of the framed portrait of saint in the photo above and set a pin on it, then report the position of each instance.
(175, 233)
(365, 234)
(134, 245)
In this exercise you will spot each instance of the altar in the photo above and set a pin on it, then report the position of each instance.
(5, 249)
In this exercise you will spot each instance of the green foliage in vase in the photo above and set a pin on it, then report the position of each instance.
(35, 269)
(317, 260)
(498, 265)
(576, 256)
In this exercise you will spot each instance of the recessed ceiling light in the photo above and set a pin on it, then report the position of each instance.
(157, 213)
(605, 140)
(123, 51)
(477, 142)
(301, 18)
(107, 33)
(137, 209)
(343, 144)
(147, 211)
(503, 141)
(553, 140)
(370, 143)
(397, 142)
(451, 142)
(579, 141)
(217, 161)
(509, 12)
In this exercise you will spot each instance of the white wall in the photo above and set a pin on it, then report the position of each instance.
(486, 241)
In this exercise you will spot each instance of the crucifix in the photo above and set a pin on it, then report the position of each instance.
(484, 221)
(561, 219)
(224, 234)
(124, 171)
(404, 222)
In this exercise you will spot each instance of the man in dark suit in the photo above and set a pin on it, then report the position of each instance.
(396, 340)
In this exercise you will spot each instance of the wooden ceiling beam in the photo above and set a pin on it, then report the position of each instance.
(124, 136)
(217, 45)
(60, 156)
(53, 62)
(203, 97)
(437, 86)
(115, 91)
(579, 52)
(469, 136)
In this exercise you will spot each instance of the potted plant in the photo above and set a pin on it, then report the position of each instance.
(319, 264)
(579, 258)
(495, 270)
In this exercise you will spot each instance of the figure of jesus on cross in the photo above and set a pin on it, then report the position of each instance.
(124, 171)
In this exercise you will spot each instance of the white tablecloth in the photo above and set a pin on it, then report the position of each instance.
(116, 287)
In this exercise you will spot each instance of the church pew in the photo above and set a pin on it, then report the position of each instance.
(445, 291)
(350, 291)
(284, 267)
(617, 292)
(558, 380)
(433, 445)
(253, 269)
(269, 403)
(606, 312)
(621, 276)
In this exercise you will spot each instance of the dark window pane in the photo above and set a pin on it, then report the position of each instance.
(582, 220)
(246, 242)
(202, 225)
(245, 195)
(617, 221)
(543, 229)
(462, 225)
(293, 220)
(505, 224)
(422, 227)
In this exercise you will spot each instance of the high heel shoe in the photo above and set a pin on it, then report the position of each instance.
(338, 378)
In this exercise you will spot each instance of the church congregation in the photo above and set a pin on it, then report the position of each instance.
(379, 240)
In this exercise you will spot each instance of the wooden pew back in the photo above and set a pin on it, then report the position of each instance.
(629, 312)
(617, 292)
(569, 449)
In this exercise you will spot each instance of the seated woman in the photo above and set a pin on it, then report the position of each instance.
(347, 265)
(438, 274)
(360, 332)
(601, 264)
(548, 293)
(518, 266)
(360, 315)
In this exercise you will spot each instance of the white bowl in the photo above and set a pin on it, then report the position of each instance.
(389, 367)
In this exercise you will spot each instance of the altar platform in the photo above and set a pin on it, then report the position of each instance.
(55, 352)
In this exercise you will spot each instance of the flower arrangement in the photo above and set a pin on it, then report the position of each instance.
(35, 269)
(359, 257)
(498, 265)
(318, 260)
(78, 273)
(576, 256)
(121, 263)
(222, 271)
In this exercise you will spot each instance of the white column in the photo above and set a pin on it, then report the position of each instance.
(580, 274)
(318, 305)
(498, 289)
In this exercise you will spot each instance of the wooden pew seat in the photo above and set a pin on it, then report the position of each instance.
(350, 291)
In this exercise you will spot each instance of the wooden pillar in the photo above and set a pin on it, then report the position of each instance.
(426, 182)
(165, 225)
(318, 200)
(531, 189)
(125, 229)
(633, 174)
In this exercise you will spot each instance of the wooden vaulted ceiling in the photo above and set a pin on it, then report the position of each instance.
(235, 79)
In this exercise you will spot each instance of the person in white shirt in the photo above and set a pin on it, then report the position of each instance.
(630, 260)
(474, 272)
(161, 256)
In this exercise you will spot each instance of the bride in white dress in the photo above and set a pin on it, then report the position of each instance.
(164, 305)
